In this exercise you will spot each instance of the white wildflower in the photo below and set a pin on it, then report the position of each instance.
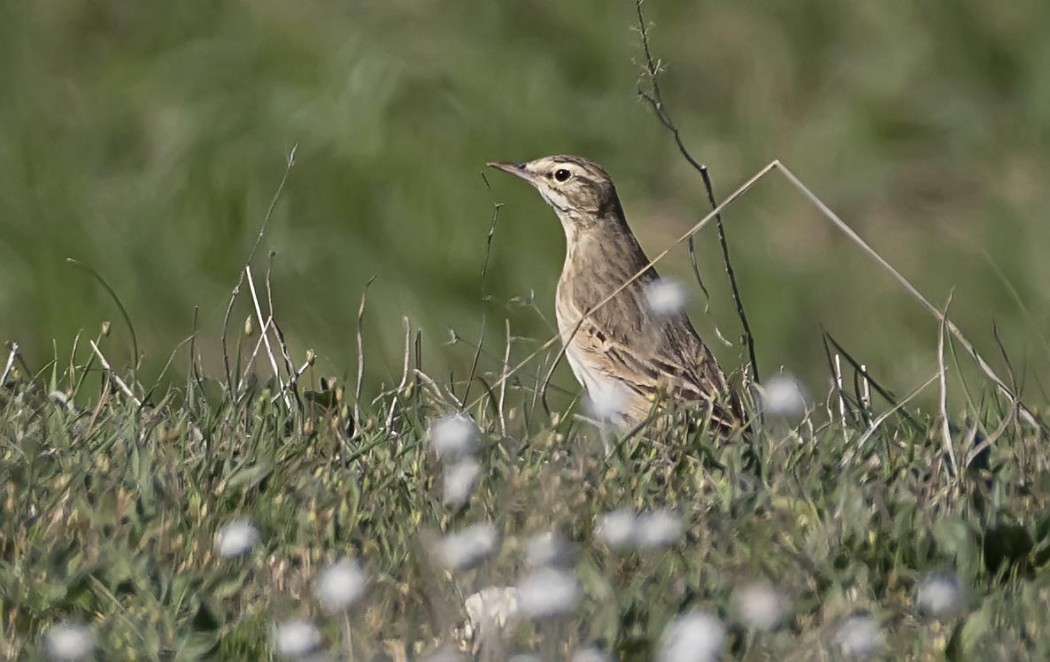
(296, 638)
(69, 641)
(341, 585)
(692, 637)
(463, 550)
(492, 608)
(783, 397)
(606, 400)
(236, 538)
(940, 594)
(548, 592)
(617, 528)
(459, 481)
(759, 606)
(454, 435)
(665, 297)
(549, 549)
(859, 636)
(659, 528)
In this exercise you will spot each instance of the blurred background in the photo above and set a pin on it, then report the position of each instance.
(146, 139)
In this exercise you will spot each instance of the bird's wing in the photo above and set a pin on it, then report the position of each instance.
(650, 355)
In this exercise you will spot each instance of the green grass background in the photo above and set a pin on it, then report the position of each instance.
(146, 139)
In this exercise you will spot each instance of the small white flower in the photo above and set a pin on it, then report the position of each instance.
(454, 435)
(665, 297)
(459, 481)
(236, 538)
(782, 397)
(940, 594)
(341, 585)
(859, 636)
(548, 592)
(659, 528)
(758, 606)
(606, 400)
(693, 637)
(590, 654)
(69, 641)
(548, 549)
(463, 550)
(617, 528)
(493, 607)
(296, 638)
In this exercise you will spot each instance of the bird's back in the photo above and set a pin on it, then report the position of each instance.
(623, 350)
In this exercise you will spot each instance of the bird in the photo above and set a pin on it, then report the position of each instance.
(627, 349)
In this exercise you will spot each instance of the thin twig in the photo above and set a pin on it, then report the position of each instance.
(167, 366)
(120, 307)
(942, 370)
(113, 376)
(249, 364)
(289, 366)
(496, 206)
(503, 383)
(289, 162)
(11, 363)
(656, 102)
(404, 370)
(264, 324)
(837, 375)
(1025, 413)
(195, 368)
(477, 358)
(881, 418)
(360, 351)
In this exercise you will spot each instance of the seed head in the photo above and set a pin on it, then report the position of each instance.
(236, 538)
(459, 481)
(665, 297)
(67, 642)
(782, 397)
(296, 638)
(693, 637)
(548, 592)
(454, 435)
(466, 549)
(341, 585)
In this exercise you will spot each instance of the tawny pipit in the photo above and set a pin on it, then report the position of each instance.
(627, 353)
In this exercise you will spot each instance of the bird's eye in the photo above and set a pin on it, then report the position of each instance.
(562, 175)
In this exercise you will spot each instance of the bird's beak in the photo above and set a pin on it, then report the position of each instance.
(516, 169)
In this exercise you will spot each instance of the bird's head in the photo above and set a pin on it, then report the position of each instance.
(579, 190)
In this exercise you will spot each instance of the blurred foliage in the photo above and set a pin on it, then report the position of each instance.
(146, 139)
(109, 512)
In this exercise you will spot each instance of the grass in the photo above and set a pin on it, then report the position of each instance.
(110, 511)
(120, 468)
(146, 142)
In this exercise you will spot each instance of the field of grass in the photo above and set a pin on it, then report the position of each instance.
(146, 140)
(171, 490)
(813, 539)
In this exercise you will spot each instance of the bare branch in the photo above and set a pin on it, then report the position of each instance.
(11, 362)
(655, 100)
(360, 351)
(289, 163)
(113, 376)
